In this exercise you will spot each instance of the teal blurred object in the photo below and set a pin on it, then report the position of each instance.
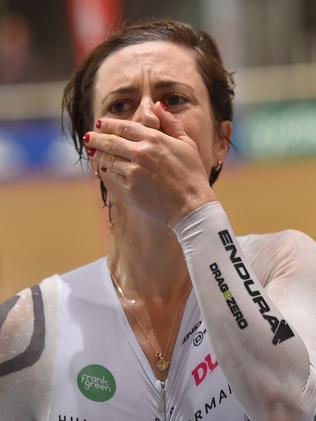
(278, 130)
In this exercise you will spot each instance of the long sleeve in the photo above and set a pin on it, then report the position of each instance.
(263, 357)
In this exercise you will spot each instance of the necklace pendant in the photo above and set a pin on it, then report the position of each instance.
(161, 364)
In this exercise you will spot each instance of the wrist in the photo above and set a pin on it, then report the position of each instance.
(191, 204)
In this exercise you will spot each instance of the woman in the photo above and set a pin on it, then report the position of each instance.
(128, 337)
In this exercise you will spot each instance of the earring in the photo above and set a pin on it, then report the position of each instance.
(219, 166)
(215, 172)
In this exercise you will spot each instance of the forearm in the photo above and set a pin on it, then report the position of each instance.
(265, 362)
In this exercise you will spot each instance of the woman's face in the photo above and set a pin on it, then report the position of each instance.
(131, 80)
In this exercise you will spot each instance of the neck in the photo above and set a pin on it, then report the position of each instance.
(146, 258)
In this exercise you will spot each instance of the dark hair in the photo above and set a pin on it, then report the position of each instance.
(78, 94)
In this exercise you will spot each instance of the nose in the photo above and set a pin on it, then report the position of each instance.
(145, 114)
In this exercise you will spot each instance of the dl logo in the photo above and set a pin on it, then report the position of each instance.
(206, 366)
(96, 383)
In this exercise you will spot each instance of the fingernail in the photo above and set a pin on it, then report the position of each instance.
(91, 152)
(86, 137)
(98, 124)
(162, 105)
(104, 169)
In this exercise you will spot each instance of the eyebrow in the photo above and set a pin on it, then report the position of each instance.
(130, 90)
(120, 91)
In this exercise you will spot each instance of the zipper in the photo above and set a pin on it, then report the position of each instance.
(162, 401)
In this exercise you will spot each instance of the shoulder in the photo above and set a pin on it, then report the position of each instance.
(27, 343)
(30, 314)
(89, 269)
(289, 240)
(23, 323)
(271, 255)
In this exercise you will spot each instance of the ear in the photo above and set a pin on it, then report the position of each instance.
(222, 141)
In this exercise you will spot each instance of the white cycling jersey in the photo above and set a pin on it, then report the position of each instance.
(67, 352)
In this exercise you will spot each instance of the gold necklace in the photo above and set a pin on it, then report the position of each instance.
(162, 363)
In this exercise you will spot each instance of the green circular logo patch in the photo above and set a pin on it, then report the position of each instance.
(96, 383)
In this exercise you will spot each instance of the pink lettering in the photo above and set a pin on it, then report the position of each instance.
(211, 365)
(200, 371)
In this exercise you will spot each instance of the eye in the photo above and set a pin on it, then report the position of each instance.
(120, 106)
(174, 100)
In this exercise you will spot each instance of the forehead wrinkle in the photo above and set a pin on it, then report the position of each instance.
(123, 63)
(159, 85)
(162, 64)
(131, 88)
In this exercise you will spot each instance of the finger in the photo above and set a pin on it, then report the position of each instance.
(130, 130)
(101, 162)
(94, 157)
(110, 144)
(93, 161)
(168, 122)
(111, 163)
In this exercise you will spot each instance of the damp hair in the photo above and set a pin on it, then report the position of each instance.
(79, 92)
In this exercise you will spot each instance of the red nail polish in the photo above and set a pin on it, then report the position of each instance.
(98, 124)
(91, 152)
(86, 138)
(163, 106)
(104, 169)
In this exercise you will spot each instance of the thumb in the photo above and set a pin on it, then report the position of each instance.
(168, 122)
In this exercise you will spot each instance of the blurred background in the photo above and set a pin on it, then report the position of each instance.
(51, 216)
